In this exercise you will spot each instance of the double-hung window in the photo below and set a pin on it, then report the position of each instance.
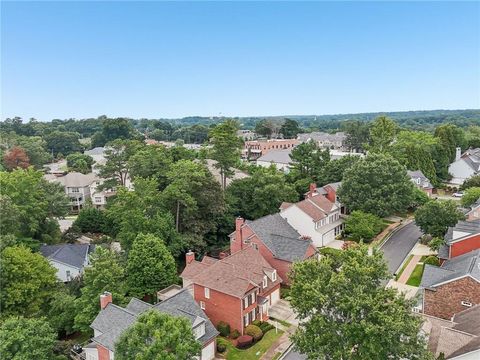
(207, 293)
(264, 284)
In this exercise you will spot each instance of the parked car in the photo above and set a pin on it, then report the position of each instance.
(458, 194)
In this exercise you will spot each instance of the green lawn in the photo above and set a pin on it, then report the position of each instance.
(416, 276)
(256, 351)
(403, 267)
(283, 322)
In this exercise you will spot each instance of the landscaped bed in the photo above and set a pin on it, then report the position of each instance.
(416, 276)
(256, 351)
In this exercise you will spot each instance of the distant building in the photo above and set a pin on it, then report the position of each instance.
(246, 135)
(464, 166)
(68, 259)
(279, 158)
(252, 150)
(421, 181)
(325, 140)
(474, 212)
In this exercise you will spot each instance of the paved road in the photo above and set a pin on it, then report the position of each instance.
(399, 245)
(293, 355)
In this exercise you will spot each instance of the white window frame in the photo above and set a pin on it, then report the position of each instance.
(245, 320)
(274, 275)
(264, 282)
(202, 305)
(466, 303)
(207, 293)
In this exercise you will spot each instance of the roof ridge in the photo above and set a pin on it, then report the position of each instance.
(322, 210)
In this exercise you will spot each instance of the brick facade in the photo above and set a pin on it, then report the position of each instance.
(465, 246)
(103, 353)
(445, 300)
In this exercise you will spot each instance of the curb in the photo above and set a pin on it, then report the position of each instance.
(389, 235)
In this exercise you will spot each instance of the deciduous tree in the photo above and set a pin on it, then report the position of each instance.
(63, 142)
(156, 335)
(80, 162)
(377, 184)
(16, 157)
(470, 196)
(342, 297)
(290, 129)
(361, 226)
(27, 281)
(435, 217)
(382, 133)
(472, 181)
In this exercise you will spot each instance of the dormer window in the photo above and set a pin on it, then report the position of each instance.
(199, 331)
(264, 283)
(274, 276)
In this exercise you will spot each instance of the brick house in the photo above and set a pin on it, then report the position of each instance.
(252, 150)
(453, 287)
(318, 216)
(237, 289)
(460, 239)
(112, 320)
(276, 240)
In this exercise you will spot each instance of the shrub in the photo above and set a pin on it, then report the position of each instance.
(222, 345)
(257, 322)
(235, 334)
(265, 326)
(244, 341)
(284, 293)
(432, 260)
(363, 226)
(254, 331)
(223, 328)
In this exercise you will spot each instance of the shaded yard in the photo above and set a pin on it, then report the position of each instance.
(256, 351)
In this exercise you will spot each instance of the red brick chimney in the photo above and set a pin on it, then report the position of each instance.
(237, 245)
(189, 256)
(105, 299)
(311, 190)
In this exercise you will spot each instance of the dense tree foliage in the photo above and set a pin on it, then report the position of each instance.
(80, 163)
(361, 226)
(473, 181)
(152, 161)
(308, 162)
(27, 282)
(106, 273)
(61, 312)
(150, 267)
(114, 129)
(342, 297)
(377, 184)
(34, 201)
(435, 217)
(357, 135)
(450, 137)
(382, 134)
(260, 194)
(157, 335)
(63, 142)
(16, 157)
(22, 339)
(92, 220)
(290, 129)
(470, 196)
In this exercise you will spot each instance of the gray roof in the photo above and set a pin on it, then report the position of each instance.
(95, 151)
(464, 265)
(277, 156)
(113, 320)
(443, 252)
(73, 179)
(418, 174)
(467, 227)
(467, 321)
(472, 158)
(280, 237)
(70, 254)
(322, 136)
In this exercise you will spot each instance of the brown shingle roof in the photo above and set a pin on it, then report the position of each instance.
(317, 207)
(234, 275)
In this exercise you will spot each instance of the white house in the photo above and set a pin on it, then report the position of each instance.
(68, 259)
(316, 216)
(77, 187)
(464, 166)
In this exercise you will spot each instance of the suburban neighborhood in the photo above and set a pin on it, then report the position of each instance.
(240, 180)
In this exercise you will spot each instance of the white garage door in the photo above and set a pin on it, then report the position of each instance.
(274, 297)
(208, 352)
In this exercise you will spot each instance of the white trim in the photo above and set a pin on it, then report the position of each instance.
(207, 293)
(457, 278)
(202, 305)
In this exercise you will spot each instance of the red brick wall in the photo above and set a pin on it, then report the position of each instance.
(103, 353)
(465, 246)
(331, 194)
(446, 300)
(221, 307)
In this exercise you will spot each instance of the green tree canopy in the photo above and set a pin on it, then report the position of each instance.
(290, 129)
(309, 162)
(472, 181)
(342, 297)
(27, 281)
(435, 217)
(335, 169)
(61, 312)
(471, 196)
(150, 267)
(260, 194)
(357, 135)
(152, 161)
(361, 226)
(80, 162)
(63, 142)
(106, 273)
(377, 184)
(226, 148)
(382, 133)
(450, 137)
(22, 339)
(156, 335)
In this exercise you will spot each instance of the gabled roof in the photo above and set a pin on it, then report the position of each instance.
(418, 174)
(99, 150)
(113, 320)
(73, 179)
(234, 275)
(464, 265)
(462, 230)
(277, 156)
(280, 237)
(69, 254)
(316, 207)
(334, 185)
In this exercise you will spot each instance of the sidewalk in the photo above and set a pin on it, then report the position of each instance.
(409, 269)
(281, 344)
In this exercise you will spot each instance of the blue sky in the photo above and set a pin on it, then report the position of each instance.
(157, 59)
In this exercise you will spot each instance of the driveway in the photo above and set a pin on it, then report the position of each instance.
(283, 311)
(292, 355)
(397, 248)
